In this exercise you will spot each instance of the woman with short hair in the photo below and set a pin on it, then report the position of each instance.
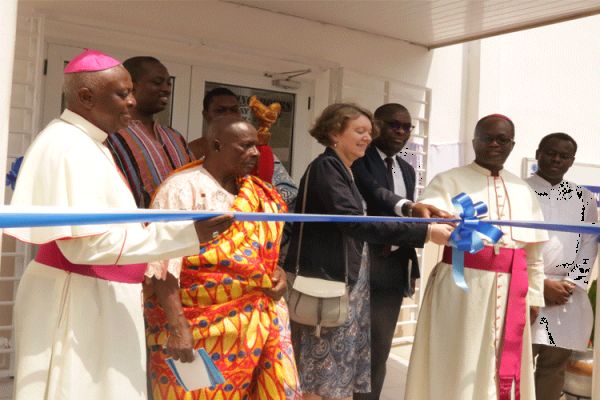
(336, 363)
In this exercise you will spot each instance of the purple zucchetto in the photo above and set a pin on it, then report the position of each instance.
(91, 61)
(499, 116)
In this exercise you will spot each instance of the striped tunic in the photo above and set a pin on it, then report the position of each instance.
(146, 159)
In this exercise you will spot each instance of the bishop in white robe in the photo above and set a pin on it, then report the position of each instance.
(460, 336)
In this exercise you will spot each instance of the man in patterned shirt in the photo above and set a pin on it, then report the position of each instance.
(147, 151)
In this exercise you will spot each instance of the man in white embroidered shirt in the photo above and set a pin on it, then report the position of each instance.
(565, 323)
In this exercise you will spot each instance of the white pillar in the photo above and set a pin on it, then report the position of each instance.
(471, 93)
(8, 29)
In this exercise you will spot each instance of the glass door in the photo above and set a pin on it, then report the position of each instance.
(290, 140)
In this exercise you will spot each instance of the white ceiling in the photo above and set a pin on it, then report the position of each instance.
(425, 23)
(432, 23)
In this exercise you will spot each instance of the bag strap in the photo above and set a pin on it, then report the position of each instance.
(346, 259)
(302, 231)
(302, 223)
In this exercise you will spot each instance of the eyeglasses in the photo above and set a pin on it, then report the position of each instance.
(562, 156)
(397, 125)
(501, 140)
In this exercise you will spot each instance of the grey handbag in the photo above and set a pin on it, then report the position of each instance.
(314, 301)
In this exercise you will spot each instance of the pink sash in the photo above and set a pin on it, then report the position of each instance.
(511, 261)
(49, 254)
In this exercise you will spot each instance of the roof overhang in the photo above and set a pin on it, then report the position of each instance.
(424, 23)
(432, 24)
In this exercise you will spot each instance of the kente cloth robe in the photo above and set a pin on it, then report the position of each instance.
(244, 331)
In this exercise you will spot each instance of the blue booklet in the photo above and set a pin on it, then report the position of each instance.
(198, 374)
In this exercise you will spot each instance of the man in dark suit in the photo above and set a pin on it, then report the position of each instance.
(387, 183)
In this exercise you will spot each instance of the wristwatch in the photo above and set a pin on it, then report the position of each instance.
(407, 208)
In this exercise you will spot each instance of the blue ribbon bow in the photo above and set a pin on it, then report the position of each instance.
(11, 176)
(468, 235)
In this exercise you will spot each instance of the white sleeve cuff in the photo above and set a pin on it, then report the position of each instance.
(398, 207)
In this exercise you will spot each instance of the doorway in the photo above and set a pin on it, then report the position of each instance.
(190, 83)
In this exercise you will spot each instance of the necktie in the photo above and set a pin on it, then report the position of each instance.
(389, 161)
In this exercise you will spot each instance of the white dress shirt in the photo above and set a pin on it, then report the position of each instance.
(567, 256)
(399, 185)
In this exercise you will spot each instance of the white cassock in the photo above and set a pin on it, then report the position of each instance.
(567, 256)
(458, 338)
(79, 337)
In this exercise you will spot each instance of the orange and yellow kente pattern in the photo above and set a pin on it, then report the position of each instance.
(230, 316)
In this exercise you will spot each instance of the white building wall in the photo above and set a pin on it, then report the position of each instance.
(261, 41)
(8, 10)
(547, 80)
(448, 77)
(24, 115)
(245, 36)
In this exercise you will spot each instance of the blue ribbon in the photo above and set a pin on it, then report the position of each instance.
(11, 176)
(20, 217)
(14, 217)
(468, 235)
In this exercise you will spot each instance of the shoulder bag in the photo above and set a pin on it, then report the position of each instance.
(314, 301)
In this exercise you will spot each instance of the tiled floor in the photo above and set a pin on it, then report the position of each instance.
(397, 368)
(395, 379)
(393, 388)
(5, 389)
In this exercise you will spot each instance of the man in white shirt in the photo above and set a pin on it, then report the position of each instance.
(565, 323)
(78, 311)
